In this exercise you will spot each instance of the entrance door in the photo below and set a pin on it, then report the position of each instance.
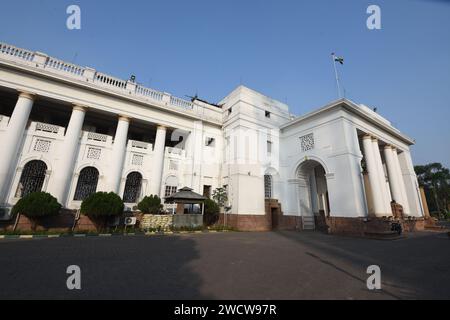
(275, 218)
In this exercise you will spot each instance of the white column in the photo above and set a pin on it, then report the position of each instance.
(394, 182)
(118, 153)
(314, 195)
(59, 187)
(405, 203)
(13, 140)
(374, 180)
(158, 160)
(382, 178)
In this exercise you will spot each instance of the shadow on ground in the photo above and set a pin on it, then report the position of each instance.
(415, 267)
(111, 268)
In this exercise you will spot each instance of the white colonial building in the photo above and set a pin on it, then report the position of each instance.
(71, 131)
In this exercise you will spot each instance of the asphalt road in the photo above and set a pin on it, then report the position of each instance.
(273, 265)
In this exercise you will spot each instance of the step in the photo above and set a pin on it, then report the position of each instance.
(308, 223)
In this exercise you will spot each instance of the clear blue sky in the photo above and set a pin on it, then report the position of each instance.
(280, 48)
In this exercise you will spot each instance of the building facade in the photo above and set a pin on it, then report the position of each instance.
(72, 131)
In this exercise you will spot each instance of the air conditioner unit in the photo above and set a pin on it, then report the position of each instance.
(5, 214)
(130, 221)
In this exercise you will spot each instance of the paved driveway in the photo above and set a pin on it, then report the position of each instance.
(272, 265)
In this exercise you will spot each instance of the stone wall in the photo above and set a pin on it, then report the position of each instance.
(157, 222)
(63, 222)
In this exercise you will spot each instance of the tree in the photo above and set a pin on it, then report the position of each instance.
(212, 211)
(36, 205)
(150, 205)
(220, 196)
(435, 179)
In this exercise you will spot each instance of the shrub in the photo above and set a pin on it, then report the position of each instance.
(37, 204)
(150, 205)
(102, 204)
(211, 214)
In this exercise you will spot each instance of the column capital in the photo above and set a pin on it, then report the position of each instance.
(124, 118)
(375, 139)
(161, 127)
(79, 107)
(367, 136)
(388, 146)
(27, 95)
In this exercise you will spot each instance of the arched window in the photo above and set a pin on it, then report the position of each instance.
(171, 186)
(132, 187)
(87, 183)
(32, 178)
(268, 186)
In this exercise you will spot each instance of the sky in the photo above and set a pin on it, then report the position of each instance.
(278, 47)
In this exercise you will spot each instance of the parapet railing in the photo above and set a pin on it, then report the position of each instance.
(41, 60)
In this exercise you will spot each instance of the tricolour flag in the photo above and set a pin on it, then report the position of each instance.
(339, 59)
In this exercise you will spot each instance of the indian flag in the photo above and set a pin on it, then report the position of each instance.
(339, 59)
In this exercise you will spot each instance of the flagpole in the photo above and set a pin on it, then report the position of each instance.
(337, 76)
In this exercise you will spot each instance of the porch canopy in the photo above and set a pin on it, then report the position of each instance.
(186, 196)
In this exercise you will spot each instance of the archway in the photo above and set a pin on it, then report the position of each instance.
(32, 178)
(314, 204)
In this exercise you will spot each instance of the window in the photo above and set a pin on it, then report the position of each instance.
(171, 186)
(87, 183)
(268, 114)
(230, 111)
(173, 165)
(32, 178)
(132, 187)
(269, 147)
(307, 142)
(268, 186)
(170, 190)
(207, 191)
(210, 142)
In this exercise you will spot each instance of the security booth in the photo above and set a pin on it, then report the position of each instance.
(187, 201)
(190, 208)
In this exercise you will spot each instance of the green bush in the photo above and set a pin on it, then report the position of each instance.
(37, 204)
(211, 214)
(150, 205)
(102, 204)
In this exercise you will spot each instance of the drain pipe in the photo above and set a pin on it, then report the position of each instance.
(76, 219)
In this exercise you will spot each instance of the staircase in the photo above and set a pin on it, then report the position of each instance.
(308, 223)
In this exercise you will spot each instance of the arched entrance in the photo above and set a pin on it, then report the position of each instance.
(313, 199)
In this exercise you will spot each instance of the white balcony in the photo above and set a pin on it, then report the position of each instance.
(175, 153)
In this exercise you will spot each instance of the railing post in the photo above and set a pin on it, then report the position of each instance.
(89, 74)
(131, 87)
(166, 98)
(40, 59)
